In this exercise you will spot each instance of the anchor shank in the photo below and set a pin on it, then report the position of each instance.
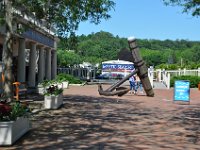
(140, 65)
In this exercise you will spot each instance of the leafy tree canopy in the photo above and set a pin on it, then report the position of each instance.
(65, 15)
(104, 46)
(189, 6)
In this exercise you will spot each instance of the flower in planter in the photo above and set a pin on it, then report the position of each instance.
(5, 111)
(10, 111)
(53, 90)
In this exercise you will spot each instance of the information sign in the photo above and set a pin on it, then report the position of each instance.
(182, 90)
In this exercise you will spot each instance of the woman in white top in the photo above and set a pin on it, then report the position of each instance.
(132, 82)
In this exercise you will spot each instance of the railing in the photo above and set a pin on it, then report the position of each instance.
(164, 76)
(81, 73)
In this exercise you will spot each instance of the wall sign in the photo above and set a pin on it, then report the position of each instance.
(182, 90)
(38, 37)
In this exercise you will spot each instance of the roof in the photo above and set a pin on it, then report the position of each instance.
(117, 62)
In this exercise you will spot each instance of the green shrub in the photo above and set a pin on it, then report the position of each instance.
(46, 83)
(194, 80)
(66, 77)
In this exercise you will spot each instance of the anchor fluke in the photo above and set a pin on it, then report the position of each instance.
(119, 91)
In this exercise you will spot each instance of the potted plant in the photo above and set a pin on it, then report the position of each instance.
(64, 83)
(41, 87)
(53, 97)
(63, 78)
(14, 121)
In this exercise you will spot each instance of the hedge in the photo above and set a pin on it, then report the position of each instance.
(194, 80)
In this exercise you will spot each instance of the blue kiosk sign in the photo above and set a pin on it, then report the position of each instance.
(182, 90)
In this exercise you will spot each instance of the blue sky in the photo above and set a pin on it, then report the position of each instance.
(147, 19)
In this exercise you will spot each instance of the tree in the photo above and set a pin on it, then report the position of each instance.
(68, 43)
(68, 58)
(63, 15)
(189, 6)
(107, 47)
(125, 54)
(101, 44)
(196, 53)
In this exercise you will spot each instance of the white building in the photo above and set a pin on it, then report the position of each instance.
(34, 50)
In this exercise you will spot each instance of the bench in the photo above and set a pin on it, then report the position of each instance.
(19, 89)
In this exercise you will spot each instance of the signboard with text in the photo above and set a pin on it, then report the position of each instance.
(117, 67)
(182, 90)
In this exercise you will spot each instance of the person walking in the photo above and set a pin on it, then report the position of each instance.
(132, 83)
(139, 84)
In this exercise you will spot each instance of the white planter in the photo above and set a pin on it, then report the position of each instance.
(41, 89)
(60, 85)
(65, 84)
(53, 102)
(11, 131)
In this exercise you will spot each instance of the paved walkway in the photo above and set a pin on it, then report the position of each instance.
(88, 121)
(159, 85)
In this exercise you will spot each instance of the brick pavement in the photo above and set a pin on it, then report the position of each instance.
(88, 121)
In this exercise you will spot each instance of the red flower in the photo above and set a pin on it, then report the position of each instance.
(5, 109)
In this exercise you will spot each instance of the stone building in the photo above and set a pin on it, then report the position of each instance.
(34, 50)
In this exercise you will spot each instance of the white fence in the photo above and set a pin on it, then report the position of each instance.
(162, 75)
(81, 73)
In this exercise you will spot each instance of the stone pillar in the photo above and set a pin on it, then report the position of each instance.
(48, 64)
(21, 71)
(32, 66)
(54, 64)
(45, 64)
(41, 67)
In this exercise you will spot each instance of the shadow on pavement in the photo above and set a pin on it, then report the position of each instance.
(98, 123)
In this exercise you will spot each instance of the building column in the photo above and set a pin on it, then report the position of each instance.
(54, 64)
(32, 66)
(48, 64)
(21, 71)
(41, 68)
